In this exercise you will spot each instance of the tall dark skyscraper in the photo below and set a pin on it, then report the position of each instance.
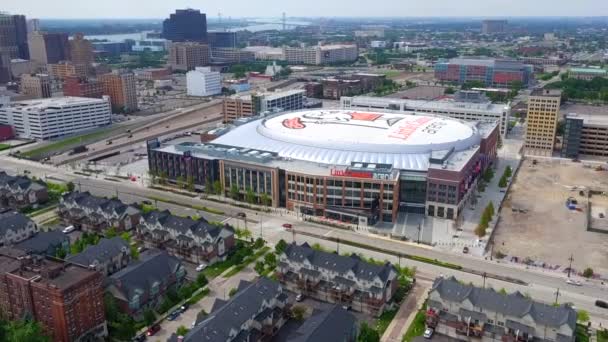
(222, 39)
(186, 25)
(13, 36)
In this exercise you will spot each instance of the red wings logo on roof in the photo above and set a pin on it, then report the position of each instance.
(294, 123)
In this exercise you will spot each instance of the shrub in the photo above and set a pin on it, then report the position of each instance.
(588, 272)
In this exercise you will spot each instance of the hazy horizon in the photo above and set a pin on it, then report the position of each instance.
(155, 9)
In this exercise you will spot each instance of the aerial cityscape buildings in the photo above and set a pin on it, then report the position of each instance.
(296, 177)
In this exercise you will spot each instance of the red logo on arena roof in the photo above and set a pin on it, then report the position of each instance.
(294, 123)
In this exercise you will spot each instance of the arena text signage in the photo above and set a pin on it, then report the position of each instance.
(359, 174)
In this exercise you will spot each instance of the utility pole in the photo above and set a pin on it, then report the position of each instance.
(338, 247)
(571, 259)
(484, 275)
(556, 296)
(419, 229)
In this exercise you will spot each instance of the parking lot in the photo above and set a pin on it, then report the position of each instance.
(537, 224)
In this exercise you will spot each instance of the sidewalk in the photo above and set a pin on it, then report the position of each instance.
(407, 312)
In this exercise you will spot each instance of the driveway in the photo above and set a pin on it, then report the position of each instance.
(219, 288)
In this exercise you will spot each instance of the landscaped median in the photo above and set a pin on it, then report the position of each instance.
(193, 206)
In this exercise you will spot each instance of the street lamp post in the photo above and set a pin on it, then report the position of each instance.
(571, 259)
(419, 229)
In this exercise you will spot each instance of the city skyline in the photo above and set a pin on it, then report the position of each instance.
(72, 9)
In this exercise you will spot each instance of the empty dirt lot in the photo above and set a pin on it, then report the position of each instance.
(549, 232)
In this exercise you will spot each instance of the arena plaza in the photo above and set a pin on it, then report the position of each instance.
(360, 167)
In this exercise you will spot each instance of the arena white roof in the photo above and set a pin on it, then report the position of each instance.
(339, 137)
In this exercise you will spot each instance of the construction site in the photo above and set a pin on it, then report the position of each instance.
(548, 216)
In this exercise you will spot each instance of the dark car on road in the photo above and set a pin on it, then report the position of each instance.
(153, 330)
(139, 338)
(601, 304)
(173, 316)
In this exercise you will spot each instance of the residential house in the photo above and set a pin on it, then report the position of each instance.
(18, 192)
(15, 227)
(196, 241)
(255, 313)
(45, 243)
(344, 280)
(144, 283)
(466, 312)
(335, 324)
(108, 256)
(95, 214)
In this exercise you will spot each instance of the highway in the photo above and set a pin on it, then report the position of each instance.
(542, 285)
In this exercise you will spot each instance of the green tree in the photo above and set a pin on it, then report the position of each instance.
(182, 331)
(153, 176)
(259, 267)
(232, 292)
(503, 291)
(449, 91)
(250, 196)
(588, 272)
(201, 280)
(111, 232)
(502, 183)
(24, 330)
(149, 317)
(126, 236)
(208, 186)
(280, 246)
(508, 171)
(76, 246)
(259, 243)
(190, 183)
(179, 181)
(60, 252)
(582, 316)
(246, 234)
(298, 312)
(367, 334)
(234, 192)
(70, 186)
(271, 260)
(265, 199)
(217, 187)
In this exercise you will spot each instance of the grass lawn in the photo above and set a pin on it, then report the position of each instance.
(216, 269)
(417, 328)
(67, 143)
(384, 320)
(391, 73)
(4, 147)
(602, 335)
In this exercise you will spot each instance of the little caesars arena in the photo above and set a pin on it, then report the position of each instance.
(358, 167)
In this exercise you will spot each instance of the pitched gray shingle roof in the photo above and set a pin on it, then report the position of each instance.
(338, 263)
(514, 304)
(153, 266)
(40, 243)
(245, 304)
(109, 206)
(19, 182)
(335, 324)
(186, 225)
(105, 250)
(13, 221)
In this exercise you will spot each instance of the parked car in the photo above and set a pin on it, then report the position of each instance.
(241, 215)
(299, 297)
(139, 338)
(146, 202)
(153, 330)
(574, 282)
(68, 229)
(428, 333)
(465, 250)
(346, 307)
(287, 225)
(173, 316)
(200, 267)
(601, 304)
(184, 307)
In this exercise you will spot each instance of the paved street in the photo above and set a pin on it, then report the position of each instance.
(542, 284)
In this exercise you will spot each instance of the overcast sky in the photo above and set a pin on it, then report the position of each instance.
(311, 8)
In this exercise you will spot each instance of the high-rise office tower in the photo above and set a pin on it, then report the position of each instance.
(48, 48)
(121, 87)
(81, 51)
(187, 56)
(13, 36)
(33, 25)
(220, 39)
(543, 110)
(493, 26)
(38, 85)
(186, 25)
